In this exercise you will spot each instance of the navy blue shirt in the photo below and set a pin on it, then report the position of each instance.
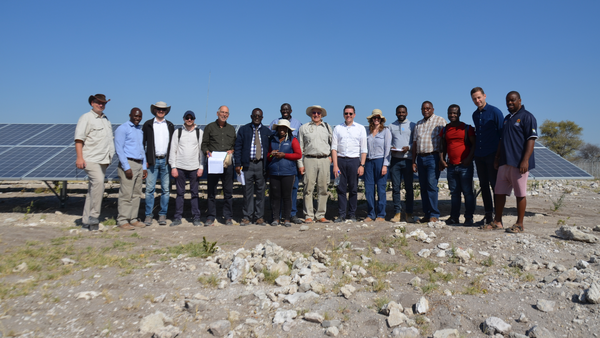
(518, 128)
(488, 130)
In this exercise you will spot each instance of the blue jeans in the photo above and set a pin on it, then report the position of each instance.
(160, 169)
(487, 178)
(460, 180)
(401, 169)
(374, 180)
(429, 174)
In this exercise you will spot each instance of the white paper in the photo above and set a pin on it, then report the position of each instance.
(241, 178)
(215, 162)
(399, 150)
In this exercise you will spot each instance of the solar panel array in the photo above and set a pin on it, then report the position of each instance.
(46, 152)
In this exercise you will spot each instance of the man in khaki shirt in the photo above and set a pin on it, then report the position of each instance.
(315, 141)
(95, 148)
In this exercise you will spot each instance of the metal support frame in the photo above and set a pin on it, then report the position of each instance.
(63, 192)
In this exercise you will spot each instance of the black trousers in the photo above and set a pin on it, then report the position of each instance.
(348, 184)
(255, 184)
(213, 181)
(281, 190)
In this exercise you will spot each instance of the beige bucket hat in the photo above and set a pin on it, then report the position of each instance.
(282, 123)
(159, 104)
(376, 112)
(310, 109)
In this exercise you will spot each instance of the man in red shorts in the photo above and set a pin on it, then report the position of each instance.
(513, 160)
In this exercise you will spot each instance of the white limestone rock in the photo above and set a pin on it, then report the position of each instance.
(493, 325)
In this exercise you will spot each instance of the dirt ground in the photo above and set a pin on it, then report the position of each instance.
(129, 269)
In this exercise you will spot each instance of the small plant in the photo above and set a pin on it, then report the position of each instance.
(270, 276)
(209, 247)
(475, 287)
(109, 221)
(380, 302)
(327, 316)
(211, 280)
(488, 261)
(453, 258)
(528, 277)
(135, 235)
(427, 288)
(558, 202)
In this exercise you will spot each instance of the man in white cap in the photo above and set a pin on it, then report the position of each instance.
(158, 132)
(95, 148)
(315, 143)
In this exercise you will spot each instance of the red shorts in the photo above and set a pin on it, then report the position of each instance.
(510, 178)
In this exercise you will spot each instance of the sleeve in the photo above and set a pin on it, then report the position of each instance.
(81, 130)
(297, 154)
(471, 131)
(237, 149)
(120, 135)
(300, 163)
(232, 145)
(173, 152)
(269, 157)
(531, 125)
(387, 146)
(412, 135)
(334, 140)
(363, 141)
(201, 155)
(499, 121)
(205, 138)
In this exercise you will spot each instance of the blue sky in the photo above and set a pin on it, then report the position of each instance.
(374, 54)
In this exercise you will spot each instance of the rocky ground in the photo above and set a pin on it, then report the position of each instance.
(378, 279)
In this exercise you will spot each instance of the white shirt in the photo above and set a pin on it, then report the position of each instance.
(161, 137)
(349, 141)
(185, 151)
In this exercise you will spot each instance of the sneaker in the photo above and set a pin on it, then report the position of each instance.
(352, 219)
(339, 220)
(209, 222)
(229, 221)
(397, 217)
(85, 226)
(308, 220)
(260, 222)
(368, 219)
(93, 221)
(176, 222)
(197, 222)
(451, 221)
(162, 220)
(138, 224)
(95, 227)
(296, 220)
(148, 221)
(424, 220)
(287, 224)
(245, 221)
(275, 223)
(469, 222)
(379, 219)
(125, 226)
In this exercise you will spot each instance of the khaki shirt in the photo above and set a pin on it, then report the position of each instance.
(96, 133)
(315, 140)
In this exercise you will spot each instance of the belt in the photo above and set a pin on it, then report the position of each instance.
(320, 156)
(346, 157)
(427, 154)
(256, 161)
(134, 160)
(160, 157)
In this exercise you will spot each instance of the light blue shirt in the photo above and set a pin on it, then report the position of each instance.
(402, 137)
(129, 144)
(379, 146)
(295, 124)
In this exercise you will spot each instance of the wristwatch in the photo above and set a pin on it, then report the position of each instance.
(362, 165)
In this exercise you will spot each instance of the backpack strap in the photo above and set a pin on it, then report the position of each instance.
(197, 134)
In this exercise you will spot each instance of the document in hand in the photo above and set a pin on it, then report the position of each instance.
(241, 178)
(215, 162)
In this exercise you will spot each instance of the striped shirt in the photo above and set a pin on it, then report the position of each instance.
(427, 134)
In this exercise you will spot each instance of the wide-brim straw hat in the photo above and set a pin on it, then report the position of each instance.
(282, 123)
(98, 97)
(310, 109)
(159, 104)
(376, 112)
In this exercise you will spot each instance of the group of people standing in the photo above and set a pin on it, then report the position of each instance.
(288, 150)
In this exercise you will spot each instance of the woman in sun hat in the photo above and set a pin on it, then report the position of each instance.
(379, 143)
(284, 151)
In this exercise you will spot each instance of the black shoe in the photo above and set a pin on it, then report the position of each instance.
(468, 222)
(352, 219)
(296, 220)
(197, 222)
(85, 226)
(287, 224)
(229, 221)
(176, 222)
(94, 227)
(451, 221)
(209, 222)
(339, 220)
(93, 221)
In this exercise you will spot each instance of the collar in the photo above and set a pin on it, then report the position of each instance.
(314, 124)
(157, 122)
(256, 127)
(217, 122)
(133, 125)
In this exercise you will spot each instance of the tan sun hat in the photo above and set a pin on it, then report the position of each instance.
(159, 104)
(282, 123)
(310, 109)
(376, 112)
(98, 97)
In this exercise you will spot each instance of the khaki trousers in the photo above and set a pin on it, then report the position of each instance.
(129, 193)
(93, 199)
(316, 171)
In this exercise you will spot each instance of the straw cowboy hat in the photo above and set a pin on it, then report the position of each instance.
(376, 112)
(310, 109)
(282, 123)
(159, 104)
(98, 97)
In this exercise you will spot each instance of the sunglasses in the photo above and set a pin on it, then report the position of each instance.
(189, 118)
(161, 109)
(316, 113)
(348, 114)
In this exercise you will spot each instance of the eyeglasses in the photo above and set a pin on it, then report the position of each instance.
(376, 117)
(100, 103)
(346, 114)
(316, 113)
(257, 116)
(161, 109)
(189, 118)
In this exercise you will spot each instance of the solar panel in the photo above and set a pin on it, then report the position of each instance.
(18, 161)
(549, 165)
(57, 135)
(60, 167)
(17, 133)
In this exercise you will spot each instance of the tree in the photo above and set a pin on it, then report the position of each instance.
(561, 137)
(589, 152)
